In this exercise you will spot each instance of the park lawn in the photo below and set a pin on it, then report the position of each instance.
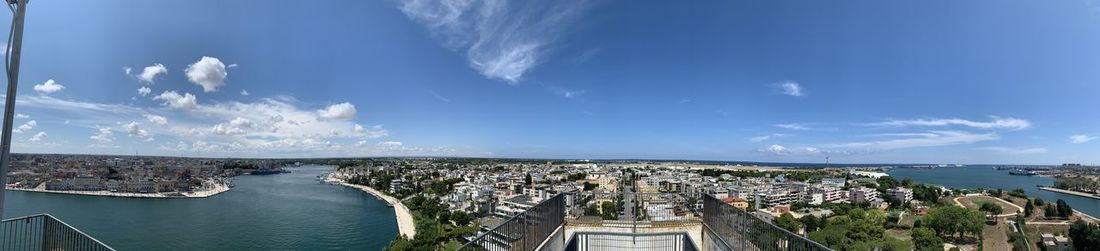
(900, 234)
(974, 202)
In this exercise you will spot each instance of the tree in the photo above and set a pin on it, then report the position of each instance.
(887, 182)
(1085, 236)
(926, 239)
(991, 208)
(952, 220)
(1039, 202)
(907, 182)
(1049, 211)
(1063, 208)
(866, 225)
(527, 179)
(812, 223)
(1018, 192)
(461, 218)
(788, 222)
(1029, 208)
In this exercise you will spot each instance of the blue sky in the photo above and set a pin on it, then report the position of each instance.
(790, 81)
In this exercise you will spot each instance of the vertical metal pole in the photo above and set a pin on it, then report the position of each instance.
(9, 104)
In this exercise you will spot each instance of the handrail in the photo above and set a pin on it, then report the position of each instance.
(45, 232)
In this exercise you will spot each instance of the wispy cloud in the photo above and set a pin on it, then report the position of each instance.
(803, 127)
(502, 39)
(994, 123)
(790, 88)
(439, 97)
(926, 139)
(1078, 139)
(767, 137)
(1015, 150)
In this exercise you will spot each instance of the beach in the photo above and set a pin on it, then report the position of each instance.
(217, 189)
(405, 224)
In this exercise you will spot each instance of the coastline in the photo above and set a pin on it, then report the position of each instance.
(405, 224)
(1059, 190)
(218, 189)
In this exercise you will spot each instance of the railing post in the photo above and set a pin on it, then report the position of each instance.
(46, 237)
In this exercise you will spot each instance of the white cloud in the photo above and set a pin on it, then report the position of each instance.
(21, 116)
(25, 127)
(279, 126)
(375, 131)
(208, 72)
(1078, 139)
(502, 39)
(995, 123)
(103, 135)
(775, 149)
(791, 88)
(134, 130)
(341, 111)
(156, 119)
(1015, 150)
(49, 87)
(144, 91)
(932, 138)
(127, 70)
(175, 100)
(149, 74)
(237, 126)
(38, 137)
(232, 66)
(244, 93)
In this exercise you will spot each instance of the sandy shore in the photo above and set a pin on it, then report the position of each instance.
(218, 189)
(405, 223)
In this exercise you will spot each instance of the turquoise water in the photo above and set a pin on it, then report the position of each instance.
(986, 177)
(274, 212)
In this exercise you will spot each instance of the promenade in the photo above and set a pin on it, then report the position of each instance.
(405, 224)
(215, 190)
(1070, 192)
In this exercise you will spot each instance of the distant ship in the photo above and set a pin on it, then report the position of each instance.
(1022, 172)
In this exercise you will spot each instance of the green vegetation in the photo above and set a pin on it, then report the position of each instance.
(1080, 184)
(952, 220)
(1018, 192)
(435, 226)
(990, 208)
(1085, 236)
(858, 230)
(926, 239)
(788, 222)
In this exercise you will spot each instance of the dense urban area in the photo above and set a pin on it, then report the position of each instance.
(845, 208)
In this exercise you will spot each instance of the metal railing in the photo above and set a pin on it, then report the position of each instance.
(46, 233)
(730, 228)
(526, 230)
(583, 241)
(724, 228)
